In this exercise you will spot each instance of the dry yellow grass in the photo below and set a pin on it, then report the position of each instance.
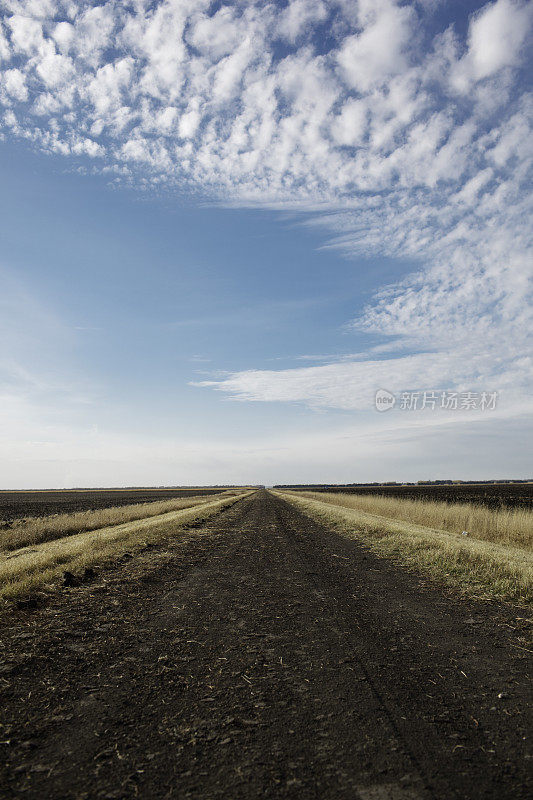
(33, 530)
(477, 565)
(27, 568)
(506, 526)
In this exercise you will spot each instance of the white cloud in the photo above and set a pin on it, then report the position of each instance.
(93, 29)
(495, 40)
(396, 141)
(13, 81)
(260, 125)
(64, 35)
(55, 69)
(4, 46)
(351, 385)
(350, 126)
(217, 35)
(497, 34)
(26, 35)
(189, 123)
(380, 50)
(513, 138)
(299, 16)
(106, 88)
(474, 186)
(229, 72)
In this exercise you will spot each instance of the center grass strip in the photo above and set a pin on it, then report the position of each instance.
(28, 568)
(497, 571)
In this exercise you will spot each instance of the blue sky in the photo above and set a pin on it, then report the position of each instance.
(225, 226)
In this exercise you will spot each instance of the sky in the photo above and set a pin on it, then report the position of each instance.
(224, 226)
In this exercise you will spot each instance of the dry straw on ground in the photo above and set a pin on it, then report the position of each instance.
(28, 568)
(505, 526)
(33, 530)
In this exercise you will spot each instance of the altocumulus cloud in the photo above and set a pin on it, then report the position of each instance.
(396, 138)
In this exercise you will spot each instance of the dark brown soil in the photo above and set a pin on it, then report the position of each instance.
(264, 656)
(497, 495)
(14, 505)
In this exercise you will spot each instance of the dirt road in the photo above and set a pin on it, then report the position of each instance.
(263, 656)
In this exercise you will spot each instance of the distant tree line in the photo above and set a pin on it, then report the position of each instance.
(399, 483)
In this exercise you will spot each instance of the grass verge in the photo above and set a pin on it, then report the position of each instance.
(34, 530)
(40, 565)
(477, 566)
(512, 526)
